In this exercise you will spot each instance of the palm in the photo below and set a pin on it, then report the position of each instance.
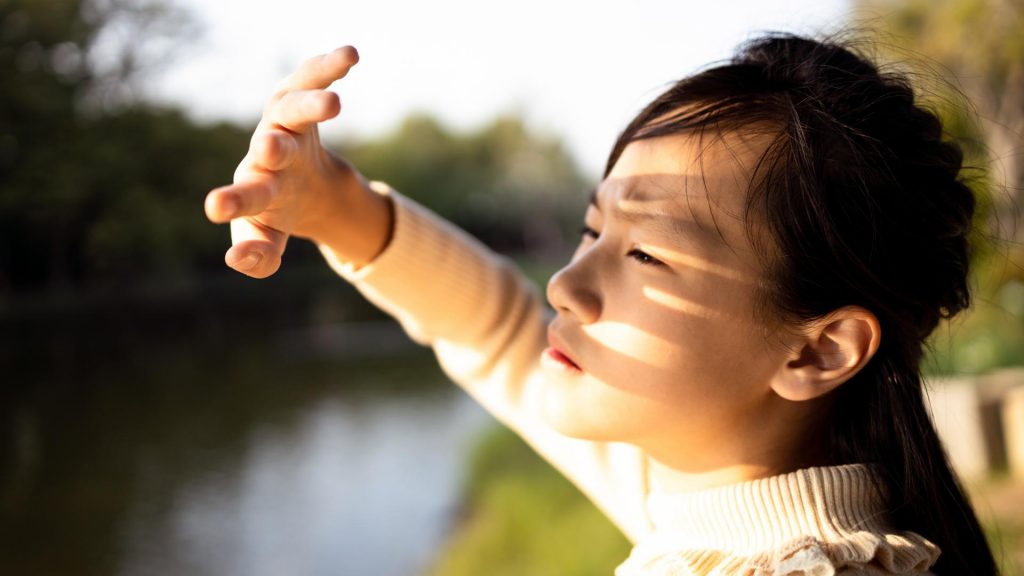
(295, 194)
(281, 185)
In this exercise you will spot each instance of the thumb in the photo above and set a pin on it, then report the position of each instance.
(256, 249)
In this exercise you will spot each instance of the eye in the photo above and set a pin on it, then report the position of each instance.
(644, 258)
(636, 254)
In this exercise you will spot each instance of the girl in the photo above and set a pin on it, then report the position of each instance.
(731, 369)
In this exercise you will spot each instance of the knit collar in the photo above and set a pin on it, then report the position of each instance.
(812, 521)
(825, 503)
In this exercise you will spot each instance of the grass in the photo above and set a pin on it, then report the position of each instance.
(1006, 539)
(999, 503)
(523, 517)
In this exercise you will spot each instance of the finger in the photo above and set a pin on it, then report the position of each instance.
(300, 109)
(272, 149)
(320, 71)
(256, 249)
(243, 198)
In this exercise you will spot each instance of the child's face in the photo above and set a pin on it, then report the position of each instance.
(656, 307)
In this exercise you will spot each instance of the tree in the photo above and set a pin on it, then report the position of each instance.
(981, 43)
(99, 189)
(91, 179)
(516, 190)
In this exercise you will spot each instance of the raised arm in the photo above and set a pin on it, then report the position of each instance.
(484, 321)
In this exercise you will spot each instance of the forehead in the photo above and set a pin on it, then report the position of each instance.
(701, 180)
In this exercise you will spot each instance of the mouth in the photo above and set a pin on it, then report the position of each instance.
(555, 355)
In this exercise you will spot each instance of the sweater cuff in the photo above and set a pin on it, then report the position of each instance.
(405, 225)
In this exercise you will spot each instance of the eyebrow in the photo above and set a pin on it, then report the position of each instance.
(661, 222)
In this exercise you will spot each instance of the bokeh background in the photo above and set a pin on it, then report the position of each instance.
(161, 414)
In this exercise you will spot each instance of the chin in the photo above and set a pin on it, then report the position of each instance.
(577, 419)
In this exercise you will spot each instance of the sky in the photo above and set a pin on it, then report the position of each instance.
(576, 70)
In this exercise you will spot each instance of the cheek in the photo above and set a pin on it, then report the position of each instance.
(664, 361)
(703, 339)
(635, 343)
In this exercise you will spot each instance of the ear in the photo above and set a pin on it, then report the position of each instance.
(827, 353)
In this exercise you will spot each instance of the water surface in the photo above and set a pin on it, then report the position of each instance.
(209, 452)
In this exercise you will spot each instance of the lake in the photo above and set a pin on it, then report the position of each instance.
(151, 451)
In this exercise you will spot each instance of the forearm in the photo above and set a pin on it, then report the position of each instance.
(438, 280)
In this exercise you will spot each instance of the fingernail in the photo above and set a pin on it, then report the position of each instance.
(249, 262)
(353, 54)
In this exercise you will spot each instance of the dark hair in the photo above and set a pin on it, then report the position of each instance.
(866, 205)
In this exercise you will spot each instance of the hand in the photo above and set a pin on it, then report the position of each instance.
(288, 183)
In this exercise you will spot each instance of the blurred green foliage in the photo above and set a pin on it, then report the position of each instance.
(100, 191)
(966, 59)
(990, 334)
(1006, 538)
(515, 190)
(972, 49)
(523, 517)
(95, 189)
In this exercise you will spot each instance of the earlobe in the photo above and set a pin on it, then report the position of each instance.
(828, 353)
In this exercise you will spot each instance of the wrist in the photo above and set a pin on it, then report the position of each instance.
(355, 223)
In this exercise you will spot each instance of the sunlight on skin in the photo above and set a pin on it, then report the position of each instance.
(634, 343)
(658, 211)
(681, 304)
(671, 356)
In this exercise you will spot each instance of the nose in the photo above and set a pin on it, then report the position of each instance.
(573, 290)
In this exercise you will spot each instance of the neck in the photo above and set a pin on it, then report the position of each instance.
(767, 448)
(664, 478)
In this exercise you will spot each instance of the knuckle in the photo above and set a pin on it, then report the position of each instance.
(270, 148)
(264, 145)
(284, 145)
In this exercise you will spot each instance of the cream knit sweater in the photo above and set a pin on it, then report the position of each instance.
(487, 327)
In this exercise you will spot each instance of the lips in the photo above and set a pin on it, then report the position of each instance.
(558, 351)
